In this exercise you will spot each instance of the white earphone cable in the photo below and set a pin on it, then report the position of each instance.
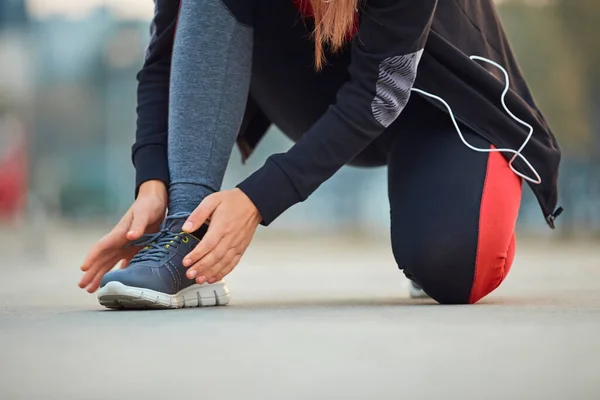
(517, 153)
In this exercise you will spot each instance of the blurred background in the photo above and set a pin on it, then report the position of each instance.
(320, 309)
(67, 118)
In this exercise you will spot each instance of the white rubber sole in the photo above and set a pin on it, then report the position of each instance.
(119, 296)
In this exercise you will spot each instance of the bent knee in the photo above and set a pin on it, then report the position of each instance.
(440, 289)
(443, 275)
(454, 274)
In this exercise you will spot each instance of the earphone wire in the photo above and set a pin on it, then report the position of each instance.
(517, 153)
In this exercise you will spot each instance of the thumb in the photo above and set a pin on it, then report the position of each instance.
(138, 226)
(201, 213)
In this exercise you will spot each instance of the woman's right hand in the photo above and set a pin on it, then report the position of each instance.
(145, 216)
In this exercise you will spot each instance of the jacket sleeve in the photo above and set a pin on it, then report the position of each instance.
(385, 56)
(149, 152)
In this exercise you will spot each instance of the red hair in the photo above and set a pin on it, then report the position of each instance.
(335, 23)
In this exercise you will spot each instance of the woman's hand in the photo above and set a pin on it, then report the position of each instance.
(233, 221)
(145, 216)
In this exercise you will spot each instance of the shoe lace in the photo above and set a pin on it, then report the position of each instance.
(157, 245)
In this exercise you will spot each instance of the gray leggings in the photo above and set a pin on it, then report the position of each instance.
(210, 78)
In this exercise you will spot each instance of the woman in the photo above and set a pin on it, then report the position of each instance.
(336, 76)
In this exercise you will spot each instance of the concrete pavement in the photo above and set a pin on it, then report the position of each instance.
(327, 318)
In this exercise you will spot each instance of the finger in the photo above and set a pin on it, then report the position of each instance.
(207, 244)
(100, 257)
(106, 251)
(132, 251)
(95, 269)
(86, 278)
(213, 270)
(201, 213)
(112, 241)
(196, 270)
(214, 257)
(125, 262)
(226, 271)
(94, 254)
(90, 270)
(95, 283)
(97, 255)
(138, 226)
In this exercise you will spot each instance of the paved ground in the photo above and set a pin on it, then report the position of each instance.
(320, 319)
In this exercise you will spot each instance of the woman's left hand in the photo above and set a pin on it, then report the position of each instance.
(233, 221)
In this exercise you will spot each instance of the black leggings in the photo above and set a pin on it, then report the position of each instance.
(453, 210)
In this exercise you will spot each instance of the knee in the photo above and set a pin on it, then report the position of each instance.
(443, 268)
(440, 272)
(452, 272)
(446, 290)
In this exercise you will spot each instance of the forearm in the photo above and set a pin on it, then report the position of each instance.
(385, 59)
(149, 153)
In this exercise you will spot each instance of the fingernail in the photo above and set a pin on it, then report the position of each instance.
(188, 226)
(192, 274)
(212, 280)
(130, 233)
(201, 280)
(187, 262)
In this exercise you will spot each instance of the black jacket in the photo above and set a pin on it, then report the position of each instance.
(337, 113)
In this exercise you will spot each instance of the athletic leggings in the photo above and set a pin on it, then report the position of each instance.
(453, 210)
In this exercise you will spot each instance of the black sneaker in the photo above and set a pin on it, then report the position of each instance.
(156, 276)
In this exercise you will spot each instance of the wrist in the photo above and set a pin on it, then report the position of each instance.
(256, 216)
(153, 188)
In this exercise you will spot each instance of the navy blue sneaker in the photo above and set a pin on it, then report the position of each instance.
(156, 276)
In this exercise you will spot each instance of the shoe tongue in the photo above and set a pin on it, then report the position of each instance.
(175, 222)
(176, 225)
